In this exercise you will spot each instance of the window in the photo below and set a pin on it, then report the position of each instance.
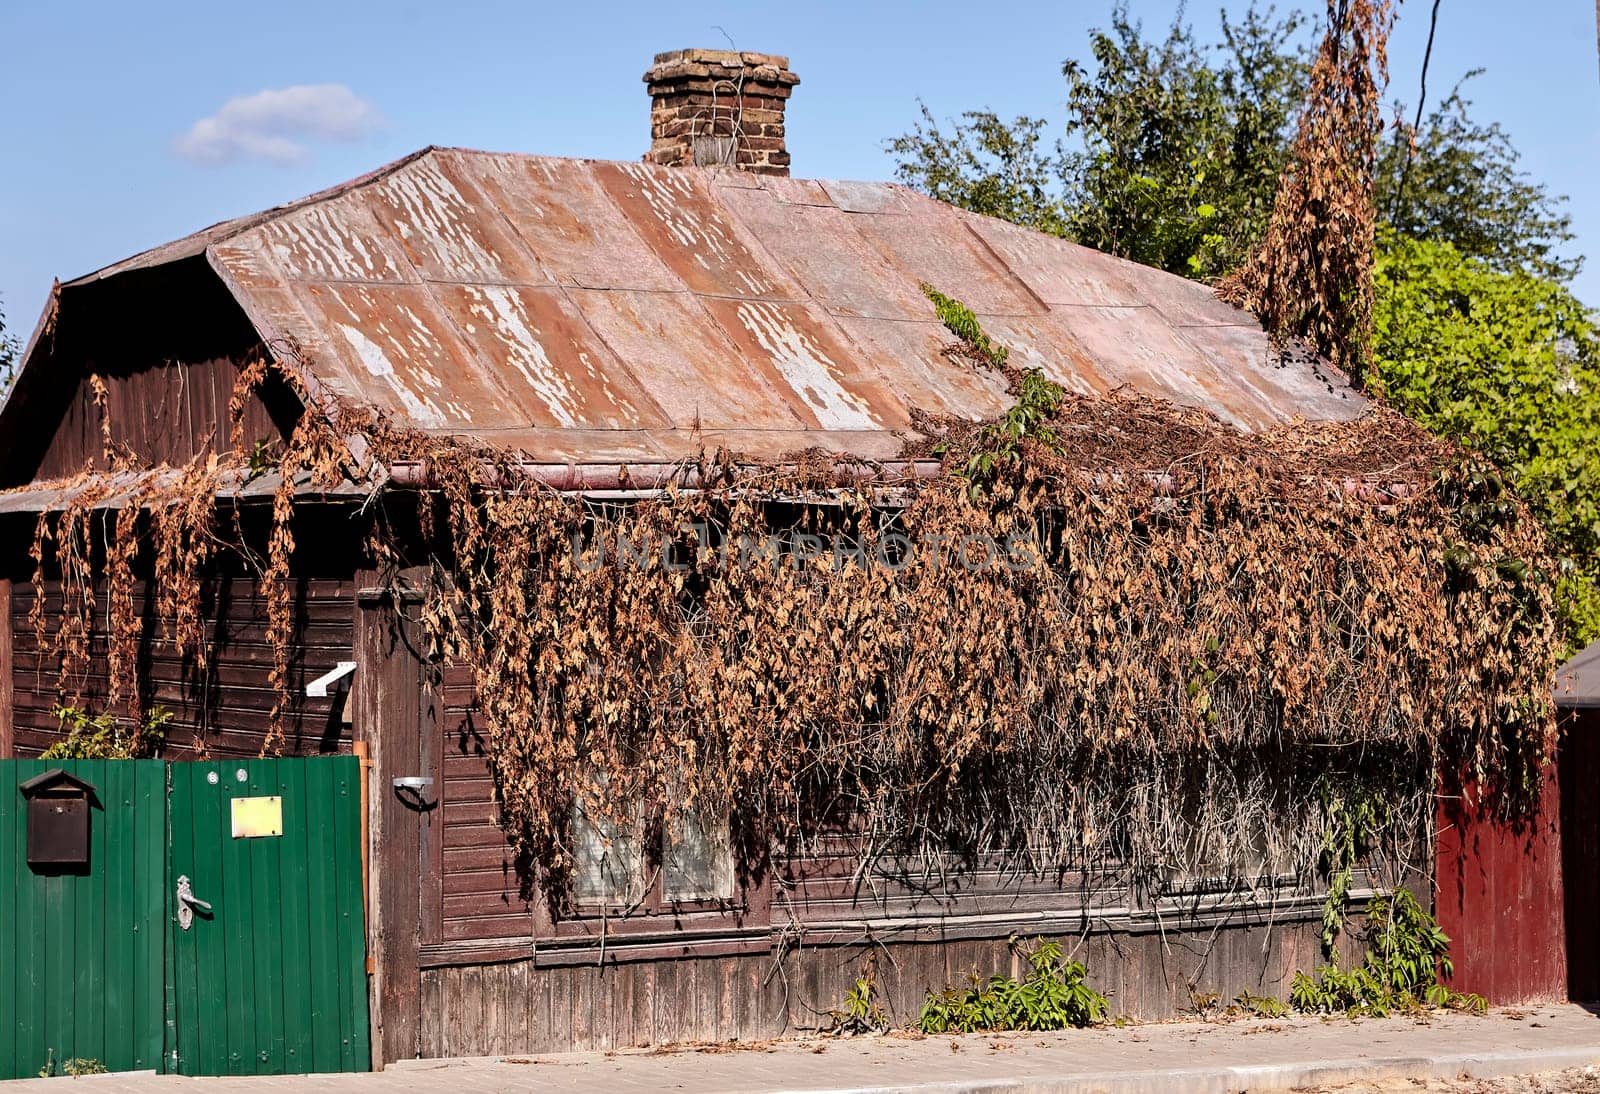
(687, 860)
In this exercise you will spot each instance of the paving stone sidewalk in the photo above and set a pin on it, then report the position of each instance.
(1186, 1057)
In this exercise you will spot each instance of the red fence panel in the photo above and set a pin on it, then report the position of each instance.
(1499, 897)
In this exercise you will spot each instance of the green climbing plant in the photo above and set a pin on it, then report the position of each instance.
(104, 736)
(1027, 421)
(1353, 822)
(960, 321)
(1404, 969)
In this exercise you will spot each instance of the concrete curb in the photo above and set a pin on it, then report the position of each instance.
(1230, 1079)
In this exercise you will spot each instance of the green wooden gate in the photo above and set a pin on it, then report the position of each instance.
(83, 955)
(258, 968)
(272, 978)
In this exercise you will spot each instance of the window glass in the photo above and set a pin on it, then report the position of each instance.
(606, 867)
(696, 861)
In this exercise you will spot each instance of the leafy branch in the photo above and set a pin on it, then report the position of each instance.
(1051, 995)
(1027, 421)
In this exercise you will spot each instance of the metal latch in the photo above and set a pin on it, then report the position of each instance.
(188, 902)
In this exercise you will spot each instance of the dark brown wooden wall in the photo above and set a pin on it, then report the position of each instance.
(167, 342)
(519, 1006)
(496, 975)
(227, 708)
(166, 412)
(478, 913)
(480, 901)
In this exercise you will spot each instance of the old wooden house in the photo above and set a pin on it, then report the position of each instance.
(607, 321)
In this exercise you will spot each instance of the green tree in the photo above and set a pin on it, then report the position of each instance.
(1167, 157)
(987, 165)
(9, 352)
(1507, 361)
(1464, 185)
(1170, 150)
(1178, 147)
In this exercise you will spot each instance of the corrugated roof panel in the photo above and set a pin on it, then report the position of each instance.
(1147, 355)
(935, 246)
(339, 240)
(1280, 379)
(1047, 343)
(1578, 681)
(1056, 271)
(1183, 302)
(398, 344)
(871, 197)
(820, 250)
(270, 302)
(696, 376)
(689, 230)
(916, 369)
(569, 224)
(831, 388)
(544, 355)
(595, 311)
(448, 230)
(792, 191)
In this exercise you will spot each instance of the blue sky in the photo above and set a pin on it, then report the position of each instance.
(99, 102)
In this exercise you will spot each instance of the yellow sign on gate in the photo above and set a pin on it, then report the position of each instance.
(254, 817)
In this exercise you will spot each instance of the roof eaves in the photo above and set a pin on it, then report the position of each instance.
(116, 490)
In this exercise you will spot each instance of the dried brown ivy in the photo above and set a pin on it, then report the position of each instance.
(1311, 275)
(1222, 633)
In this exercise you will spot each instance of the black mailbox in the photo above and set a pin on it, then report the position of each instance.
(58, 820)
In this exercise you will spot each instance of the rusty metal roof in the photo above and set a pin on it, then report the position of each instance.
(583, 310)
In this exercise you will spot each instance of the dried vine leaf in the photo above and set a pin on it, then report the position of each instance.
(1214, 636)
(1311, 275)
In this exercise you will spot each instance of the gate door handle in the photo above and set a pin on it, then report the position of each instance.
(188, 902)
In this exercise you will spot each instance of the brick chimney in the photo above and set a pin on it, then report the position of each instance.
(712, 107)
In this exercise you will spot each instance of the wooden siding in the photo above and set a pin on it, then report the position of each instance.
(1498, 896)
(228, 707)
(517, 1006)
(167, 412)
(826, 886)
(481, 899)
(481, 914)
(167, 343)
(498, 976)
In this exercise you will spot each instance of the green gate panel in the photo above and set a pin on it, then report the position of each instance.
(272, 979)
(82, 955)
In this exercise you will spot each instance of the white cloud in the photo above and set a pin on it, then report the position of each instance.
(276, 124)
